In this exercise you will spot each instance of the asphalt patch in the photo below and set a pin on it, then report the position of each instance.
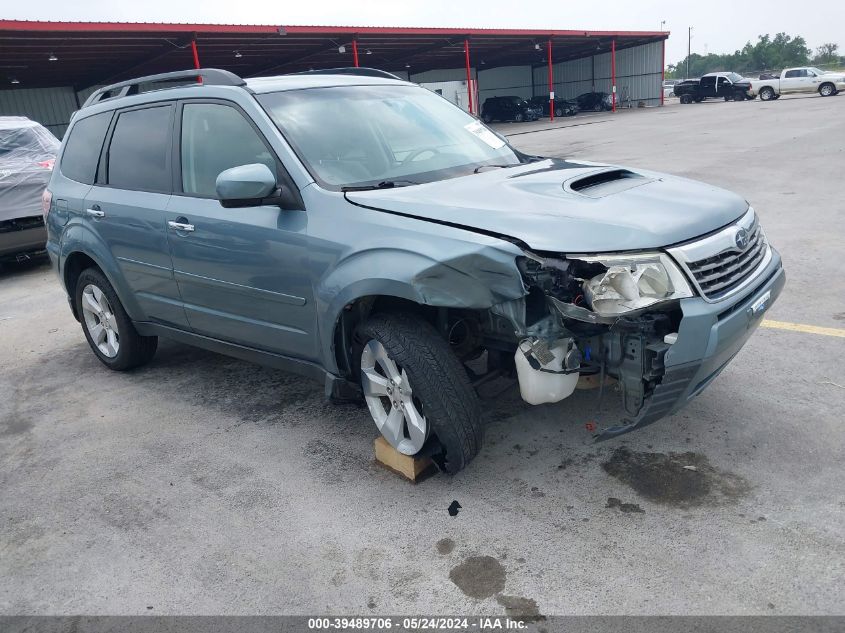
(518, 608)
(677, 479)
(613, 502)
(479, 577)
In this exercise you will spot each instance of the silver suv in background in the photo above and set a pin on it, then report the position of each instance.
(27, 153)
(363, 231)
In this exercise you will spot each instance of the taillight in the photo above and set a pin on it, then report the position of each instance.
(46, 202)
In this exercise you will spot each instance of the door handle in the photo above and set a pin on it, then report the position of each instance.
(95, 211)
(180, 226)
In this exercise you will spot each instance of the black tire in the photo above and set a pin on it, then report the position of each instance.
(685, 99)
(739, 96)
(598, 107)
(558, 112)
(767, 93)
(134, 350)
(518, 118)
(827, 89)
(449, 402)
(486, 118)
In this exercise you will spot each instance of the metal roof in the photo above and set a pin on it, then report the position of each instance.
(94, 53)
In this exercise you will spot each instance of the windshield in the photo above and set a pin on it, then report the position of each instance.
(816, 70)
(734, 77)
(361, 135)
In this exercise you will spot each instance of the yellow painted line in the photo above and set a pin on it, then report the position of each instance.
(806, 329)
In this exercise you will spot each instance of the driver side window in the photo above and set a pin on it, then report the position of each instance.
(215, 138)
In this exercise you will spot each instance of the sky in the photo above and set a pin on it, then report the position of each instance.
(719, 26)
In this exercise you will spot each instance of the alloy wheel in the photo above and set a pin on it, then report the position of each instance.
(100, 321)
(390, 398)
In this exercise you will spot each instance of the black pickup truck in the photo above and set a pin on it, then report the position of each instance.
(728, 85)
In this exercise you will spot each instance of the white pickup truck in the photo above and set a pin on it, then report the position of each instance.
(801, 79)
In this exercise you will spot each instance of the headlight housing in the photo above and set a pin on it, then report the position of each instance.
(633, 282)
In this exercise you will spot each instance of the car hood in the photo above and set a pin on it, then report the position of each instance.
(565, 206)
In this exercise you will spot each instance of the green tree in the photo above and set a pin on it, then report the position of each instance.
(767, 53)
(827, 54)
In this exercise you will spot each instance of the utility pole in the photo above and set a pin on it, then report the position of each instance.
(662, 23)
(689, 48)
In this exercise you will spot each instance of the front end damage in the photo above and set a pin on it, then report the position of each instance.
(595, 317)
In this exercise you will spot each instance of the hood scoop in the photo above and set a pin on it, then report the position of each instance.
(605, 182)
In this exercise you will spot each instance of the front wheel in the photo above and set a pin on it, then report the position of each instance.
(558, 112)
(827, 90)
(107, 327)
(417, 390)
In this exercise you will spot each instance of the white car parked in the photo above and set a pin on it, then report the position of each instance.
(801, 79)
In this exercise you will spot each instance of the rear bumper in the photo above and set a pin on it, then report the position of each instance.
(20, 239)
(709, 336)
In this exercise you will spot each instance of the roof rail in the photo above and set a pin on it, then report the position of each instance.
(208, 76)
(350, 70)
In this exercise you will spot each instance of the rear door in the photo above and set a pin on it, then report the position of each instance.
(242, 272)
(707, 86)
(794, 80)
(127, 203)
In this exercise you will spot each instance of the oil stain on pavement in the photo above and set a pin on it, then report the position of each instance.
(676, 479)
(479, 577)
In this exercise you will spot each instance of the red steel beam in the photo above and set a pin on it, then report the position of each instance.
(195, 53)
(355, 52)
(469, 76)
(663, 73)
(171, 27)
(613, 72)
(551, 85)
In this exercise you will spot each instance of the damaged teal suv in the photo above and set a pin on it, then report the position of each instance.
(363, 231)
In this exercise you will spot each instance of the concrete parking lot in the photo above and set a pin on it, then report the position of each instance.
(204, 485)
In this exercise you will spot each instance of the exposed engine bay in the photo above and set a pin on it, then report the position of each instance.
(599, 316)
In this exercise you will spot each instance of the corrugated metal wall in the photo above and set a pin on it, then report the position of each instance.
(638, 75)
(51, 107)
(638, 78)
(505, 81)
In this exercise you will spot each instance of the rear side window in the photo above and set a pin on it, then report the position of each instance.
(82, 151)
(791, 74)
(215, 138)
(139, 150)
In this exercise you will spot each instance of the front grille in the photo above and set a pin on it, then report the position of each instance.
(716, 276)
(717, 266)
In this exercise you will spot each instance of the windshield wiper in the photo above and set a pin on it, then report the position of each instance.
(384, 184)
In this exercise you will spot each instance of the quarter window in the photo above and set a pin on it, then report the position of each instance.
(139, 149)
(82, 151)
(216, 138)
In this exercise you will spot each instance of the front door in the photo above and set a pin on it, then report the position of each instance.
(126, 208)
(243, 273)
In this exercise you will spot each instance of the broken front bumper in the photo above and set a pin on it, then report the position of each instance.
(710, 335)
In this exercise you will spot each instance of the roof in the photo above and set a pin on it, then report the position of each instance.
(83, 54)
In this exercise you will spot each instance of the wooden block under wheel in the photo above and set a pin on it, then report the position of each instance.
(410, 467)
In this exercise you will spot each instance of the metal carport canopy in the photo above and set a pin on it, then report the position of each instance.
(83, 54)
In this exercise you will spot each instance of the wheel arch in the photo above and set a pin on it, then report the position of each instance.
(81, 249)
(409, 282)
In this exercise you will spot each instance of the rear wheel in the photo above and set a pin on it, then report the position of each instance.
(486, 118)
(558, 112)
(518, 118)
(417, 390)
(827, 90)
(767, 94)
(686, 99)
(107, 327)
(739, 96)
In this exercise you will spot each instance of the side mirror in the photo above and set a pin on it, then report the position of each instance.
(246, 185)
